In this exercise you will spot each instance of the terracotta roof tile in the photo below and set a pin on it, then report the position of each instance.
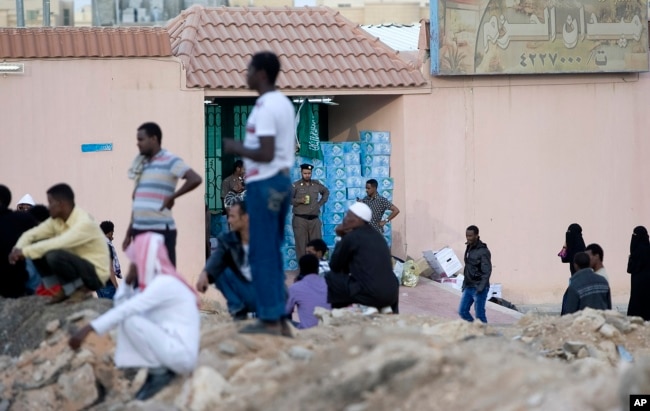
(52, 42)
(318, 48)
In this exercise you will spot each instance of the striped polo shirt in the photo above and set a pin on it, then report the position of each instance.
(157, 182)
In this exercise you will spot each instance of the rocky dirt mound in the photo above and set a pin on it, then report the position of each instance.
(353, 363)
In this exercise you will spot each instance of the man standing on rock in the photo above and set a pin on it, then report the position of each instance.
(362, 270)
(478, 268)
(68, 249)
(308, 196)
(586, 288)
(269, 152)
(156, 172)
(157, 316)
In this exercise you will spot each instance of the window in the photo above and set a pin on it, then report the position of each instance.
(66, 17)
(32, 14)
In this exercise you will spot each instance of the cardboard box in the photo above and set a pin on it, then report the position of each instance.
(351, 147)
(356, 182)
(385, 183)
(333, 218)
(289, 241)
(388, 194)
(375, 161)
(335, 183)
(330, 241)
(318, 173)
(332, 207)
(378, 149)
(329, 230)
(353, 170)
(336, 173)
(495, 291)
(290, 265)
(288, 253)
(338, 195)
(306, 160)
(350, 159)
(368, 136)
(334, 161)
(454, 282)
(355, 192)
(375, 172)
(330, 149)
(444, 261)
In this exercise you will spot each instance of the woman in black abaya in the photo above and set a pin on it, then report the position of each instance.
(638, 266)
(573, 244)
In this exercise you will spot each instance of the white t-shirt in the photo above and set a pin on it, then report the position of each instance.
(272, 116)
(246, 267)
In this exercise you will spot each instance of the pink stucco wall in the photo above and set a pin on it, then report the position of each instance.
(57, 105)
(522, 158)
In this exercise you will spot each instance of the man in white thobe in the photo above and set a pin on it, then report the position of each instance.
(157, 317)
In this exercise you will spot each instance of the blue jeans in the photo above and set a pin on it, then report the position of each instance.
(238, 292)
(268, 203)
(34, 278)
(469, 297)
(107, 292)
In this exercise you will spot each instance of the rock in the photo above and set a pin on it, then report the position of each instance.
(300, 353)
(339, 312)
(609, 331)
(324, 315)
(78, 388)
(52, 326)
(582, 353)
(203, 392)
(227, 348)
(41, 400)
(4, 405)
(45, 373)
(82, 357)
(360, 406)
(535, 400)
(622, 324)
(573, 346)
(589, 319)
(636, 320)
(87, 314)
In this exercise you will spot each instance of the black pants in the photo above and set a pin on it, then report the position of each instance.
(68, 270)
(170, 241)
(343, 290)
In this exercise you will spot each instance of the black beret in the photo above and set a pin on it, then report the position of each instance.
(306, 166)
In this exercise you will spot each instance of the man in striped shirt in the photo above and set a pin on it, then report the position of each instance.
(156, 172)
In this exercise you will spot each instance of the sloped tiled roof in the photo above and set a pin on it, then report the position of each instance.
(400, 37)
(52, 42)
(318, 49)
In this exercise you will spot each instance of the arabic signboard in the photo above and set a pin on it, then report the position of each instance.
(470, 37)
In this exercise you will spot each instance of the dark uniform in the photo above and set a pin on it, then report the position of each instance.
(306, 222)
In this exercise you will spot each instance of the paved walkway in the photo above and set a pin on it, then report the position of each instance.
(430, 297)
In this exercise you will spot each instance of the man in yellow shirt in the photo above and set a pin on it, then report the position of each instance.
(68, 249)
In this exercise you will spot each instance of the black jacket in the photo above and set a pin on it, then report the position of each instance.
(12, 276)
(586, 289)
(229, 254)
(478, 266)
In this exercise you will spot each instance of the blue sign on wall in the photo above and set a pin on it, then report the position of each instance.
(90, 148)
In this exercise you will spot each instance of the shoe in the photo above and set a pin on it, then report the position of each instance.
(261, 327)
(241, 315)
(386, 310)
(57, 298)
(79, 295)
(369, 310)
(288, 330)
(153, 384)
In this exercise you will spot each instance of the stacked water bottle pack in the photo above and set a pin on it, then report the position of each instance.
(344, 170)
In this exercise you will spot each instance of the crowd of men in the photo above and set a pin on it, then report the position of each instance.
(62, 250)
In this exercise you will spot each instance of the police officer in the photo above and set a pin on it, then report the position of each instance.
(307, 198)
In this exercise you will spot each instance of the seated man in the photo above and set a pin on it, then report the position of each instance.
(362, 269)
(157, 316)
(586, 288)
(228, 266)
(108, 291)
(318, 248)
(307, 293)
(13, 277)
(68, 248)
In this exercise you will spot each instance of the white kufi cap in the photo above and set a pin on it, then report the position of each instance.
(27, 199)
(362, 211)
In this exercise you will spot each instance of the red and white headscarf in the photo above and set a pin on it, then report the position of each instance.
(149, 254)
